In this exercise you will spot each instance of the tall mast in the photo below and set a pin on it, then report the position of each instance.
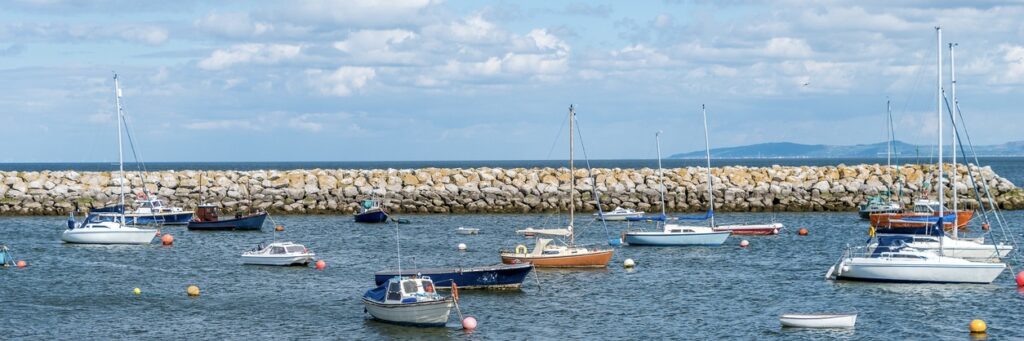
(120, 152)
(661, 179)
(952, 111)
(572, 176)
(888, 133)
(707, 152)
(938, 110)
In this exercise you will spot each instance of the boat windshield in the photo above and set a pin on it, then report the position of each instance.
(295, 249)
(394, 292)
(409, 287)
(277, 250)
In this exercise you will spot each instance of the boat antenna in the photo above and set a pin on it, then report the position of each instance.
(120, 152)
(661, 179)
(572, 176)
(707, 152)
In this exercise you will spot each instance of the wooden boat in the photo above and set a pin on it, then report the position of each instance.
(546, 254)
(370, 211)
(924, 214)
(278, 253)
(408, 301)
(818, 320)
(207, 219)
(499, 276)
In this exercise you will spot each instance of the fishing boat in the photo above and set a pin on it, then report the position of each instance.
(893, 260)
(370, 211)
(278, 253)
(818, 320)
(94, 230)
(151, 210)
(410, 300)
(207, 219)
(499, 276)
(6, 259)
(546, 253)
(467, 230)
(618, 214)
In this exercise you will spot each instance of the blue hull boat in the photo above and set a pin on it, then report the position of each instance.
(180, 218)
(675, 239)
(247, 223)
(500, 276)
(372, 217)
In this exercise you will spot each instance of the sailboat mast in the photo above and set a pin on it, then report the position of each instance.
(120, 152)
(938, 110)
(661, 179)
(888, 133)
(707, 152)
(572, 176)
(953, 176)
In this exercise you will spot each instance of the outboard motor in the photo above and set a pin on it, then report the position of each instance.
(71, 221)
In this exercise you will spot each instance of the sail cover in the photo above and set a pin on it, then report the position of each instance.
(706, 216)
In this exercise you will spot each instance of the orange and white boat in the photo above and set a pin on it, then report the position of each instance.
(547, 254)
(923, 209)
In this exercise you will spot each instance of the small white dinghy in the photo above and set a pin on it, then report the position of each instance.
(467, 230)
(278, 253)
(818, 320)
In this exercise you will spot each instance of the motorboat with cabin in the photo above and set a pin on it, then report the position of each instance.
(371, 211)
(149, 210)
(618, 214)
(278, 253)
(408, 300)
(208, 219)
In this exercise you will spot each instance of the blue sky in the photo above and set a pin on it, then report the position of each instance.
(465, 80)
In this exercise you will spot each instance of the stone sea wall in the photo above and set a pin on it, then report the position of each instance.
(498, 190)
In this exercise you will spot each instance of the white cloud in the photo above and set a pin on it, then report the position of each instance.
(152, 35)
(380, 46)
(373, 13)
(1013, 56)
(341, 82)
(249, 53)
(222, 125)
(787, 48)
(302, 122)
(233, 24)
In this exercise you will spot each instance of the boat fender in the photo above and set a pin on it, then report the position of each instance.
(521, 249)
(455, 292)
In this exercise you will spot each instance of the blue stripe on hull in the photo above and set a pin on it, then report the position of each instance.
(675, 239)
(874, 280)
(372, 217)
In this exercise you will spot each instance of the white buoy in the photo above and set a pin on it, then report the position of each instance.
(462, 246)
(629, 263)
(744, 243)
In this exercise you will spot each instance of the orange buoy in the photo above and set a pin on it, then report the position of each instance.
(21, 264)
(321, 264)
(978, 326)
(192, 291)
(167, 239)
(744, 243)
(279, 228)
(1020, 279)
(469, 323)
(803, 232)
(985, 226)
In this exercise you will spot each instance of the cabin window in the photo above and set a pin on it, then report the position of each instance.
(428, 286)
(688, 231)
(295, 249)
(676, 231)
(277, 250)
(550, 252)
(394, 293)
(409, 286)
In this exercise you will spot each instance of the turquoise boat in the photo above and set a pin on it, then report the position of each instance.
(6, 259)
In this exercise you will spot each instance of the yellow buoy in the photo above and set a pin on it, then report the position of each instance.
(192, 291)
(978, 326)
(137, 291)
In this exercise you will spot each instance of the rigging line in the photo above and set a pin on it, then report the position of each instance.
(590, 172)
(555, 141)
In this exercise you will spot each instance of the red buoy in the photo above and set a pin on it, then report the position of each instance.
(167, 239)
(1020, 279)
(321, 264)
(21, 264)
(803, 232)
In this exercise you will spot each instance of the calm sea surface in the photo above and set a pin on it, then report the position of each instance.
(1011, 168)
(724, 292)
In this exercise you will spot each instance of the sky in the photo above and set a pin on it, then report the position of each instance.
(374, 80)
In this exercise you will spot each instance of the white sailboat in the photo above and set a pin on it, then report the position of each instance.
(675, 234)
(893, 260)
(93, 231)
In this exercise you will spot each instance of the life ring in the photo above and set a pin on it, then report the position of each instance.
(521, 249)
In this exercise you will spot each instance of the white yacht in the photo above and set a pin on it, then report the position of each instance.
(278, 253)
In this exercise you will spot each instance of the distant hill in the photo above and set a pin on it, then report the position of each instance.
(797, 150)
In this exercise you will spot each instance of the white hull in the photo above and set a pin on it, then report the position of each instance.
(467, 230)
(122, 235)
(945, 270)
(818, 320)
(280, 260)
(619, 217)
(433, 313)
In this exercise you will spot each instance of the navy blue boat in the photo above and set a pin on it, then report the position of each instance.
(500, 276)
(206, 219)
(371, 212)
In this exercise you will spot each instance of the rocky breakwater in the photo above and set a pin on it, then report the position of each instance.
(518, 190)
